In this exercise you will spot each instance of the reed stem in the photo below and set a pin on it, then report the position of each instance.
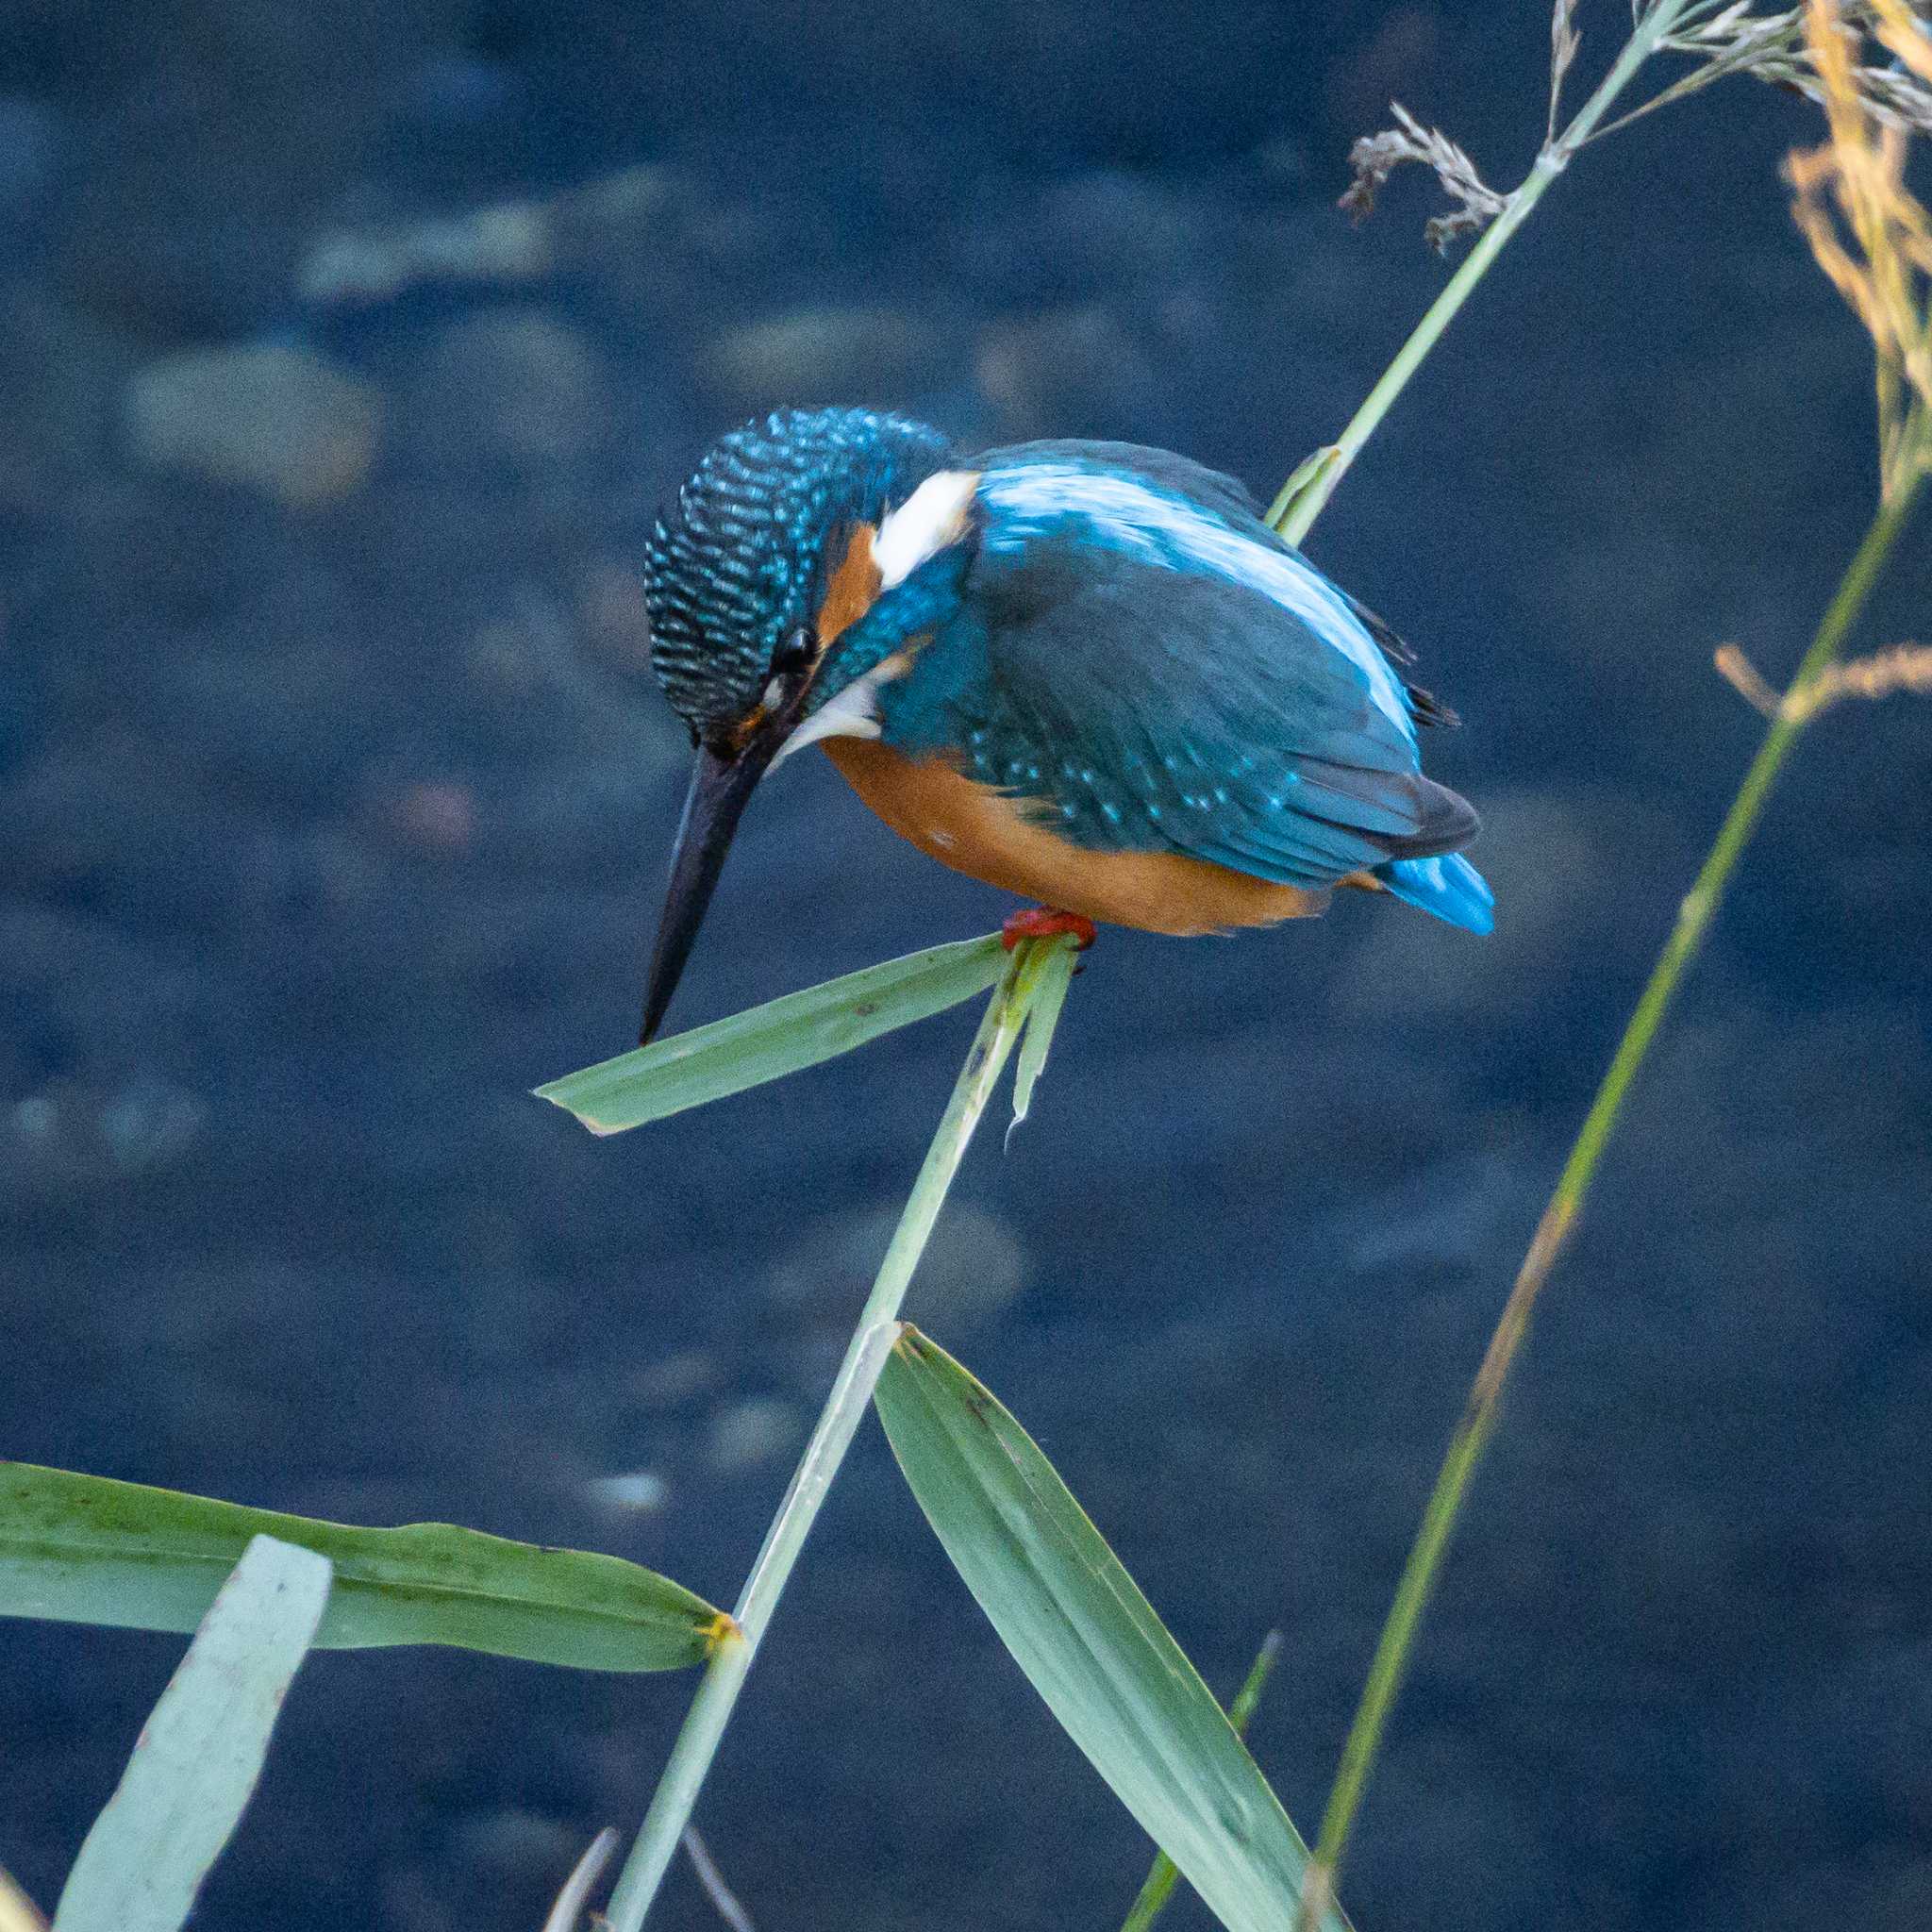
(1293, 512)
(1560, 1217)
(872, 1342)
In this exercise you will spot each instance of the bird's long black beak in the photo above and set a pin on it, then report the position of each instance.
(721, 783)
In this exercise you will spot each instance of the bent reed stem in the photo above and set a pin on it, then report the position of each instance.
(872, 1342)
(1560, 1217)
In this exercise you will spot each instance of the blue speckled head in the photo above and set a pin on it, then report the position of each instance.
(738, 567)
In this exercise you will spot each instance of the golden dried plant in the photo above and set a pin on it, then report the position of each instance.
(1904, 669)
(1866, 228)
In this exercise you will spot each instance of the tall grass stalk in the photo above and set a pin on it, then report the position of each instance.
(697, 1742)
(1877, 252)
(1560, 1217)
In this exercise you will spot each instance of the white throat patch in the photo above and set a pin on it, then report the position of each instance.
(853, 712)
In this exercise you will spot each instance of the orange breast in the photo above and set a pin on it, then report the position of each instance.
(988, 835)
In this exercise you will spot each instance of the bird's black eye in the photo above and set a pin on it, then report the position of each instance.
(794, 655)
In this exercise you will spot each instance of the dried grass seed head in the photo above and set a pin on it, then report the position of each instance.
(1866, 229)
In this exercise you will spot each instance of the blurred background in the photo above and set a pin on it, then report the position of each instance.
(346, 353)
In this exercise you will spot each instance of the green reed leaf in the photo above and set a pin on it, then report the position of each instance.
(200, 1754)
(1157, 1887)
(1090, 1642)
(782, 1037)
(85, 1549)
(1041, 989)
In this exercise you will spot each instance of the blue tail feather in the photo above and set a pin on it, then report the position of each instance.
(1449, 886)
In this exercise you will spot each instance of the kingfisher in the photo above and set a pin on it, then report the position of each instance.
(1088, 673)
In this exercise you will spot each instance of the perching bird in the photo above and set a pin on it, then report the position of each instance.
(1086, 671)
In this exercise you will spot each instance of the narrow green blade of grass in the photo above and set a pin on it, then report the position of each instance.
(1042, 985)
(1157, 1887)
(1090, 1642)
(1310, 474)
(199, 1755)
(85, 1549)
(779, 1038)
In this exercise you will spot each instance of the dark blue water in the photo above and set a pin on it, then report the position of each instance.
(333, 801)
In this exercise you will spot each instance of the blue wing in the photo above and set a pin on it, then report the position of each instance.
(1132, 648)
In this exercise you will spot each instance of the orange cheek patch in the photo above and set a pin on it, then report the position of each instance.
(854, 587)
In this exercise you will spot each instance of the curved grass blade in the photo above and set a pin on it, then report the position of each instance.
(724, 1902)
(1042, 990)
(566, 1911)
(85, 1549)
(1157, 1887)
(779, 1038)
(199, 1755)
(1090, 1642)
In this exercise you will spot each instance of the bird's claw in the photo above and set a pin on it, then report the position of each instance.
(1043, 922)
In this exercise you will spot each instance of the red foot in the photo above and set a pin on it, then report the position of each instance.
(1043, 923)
